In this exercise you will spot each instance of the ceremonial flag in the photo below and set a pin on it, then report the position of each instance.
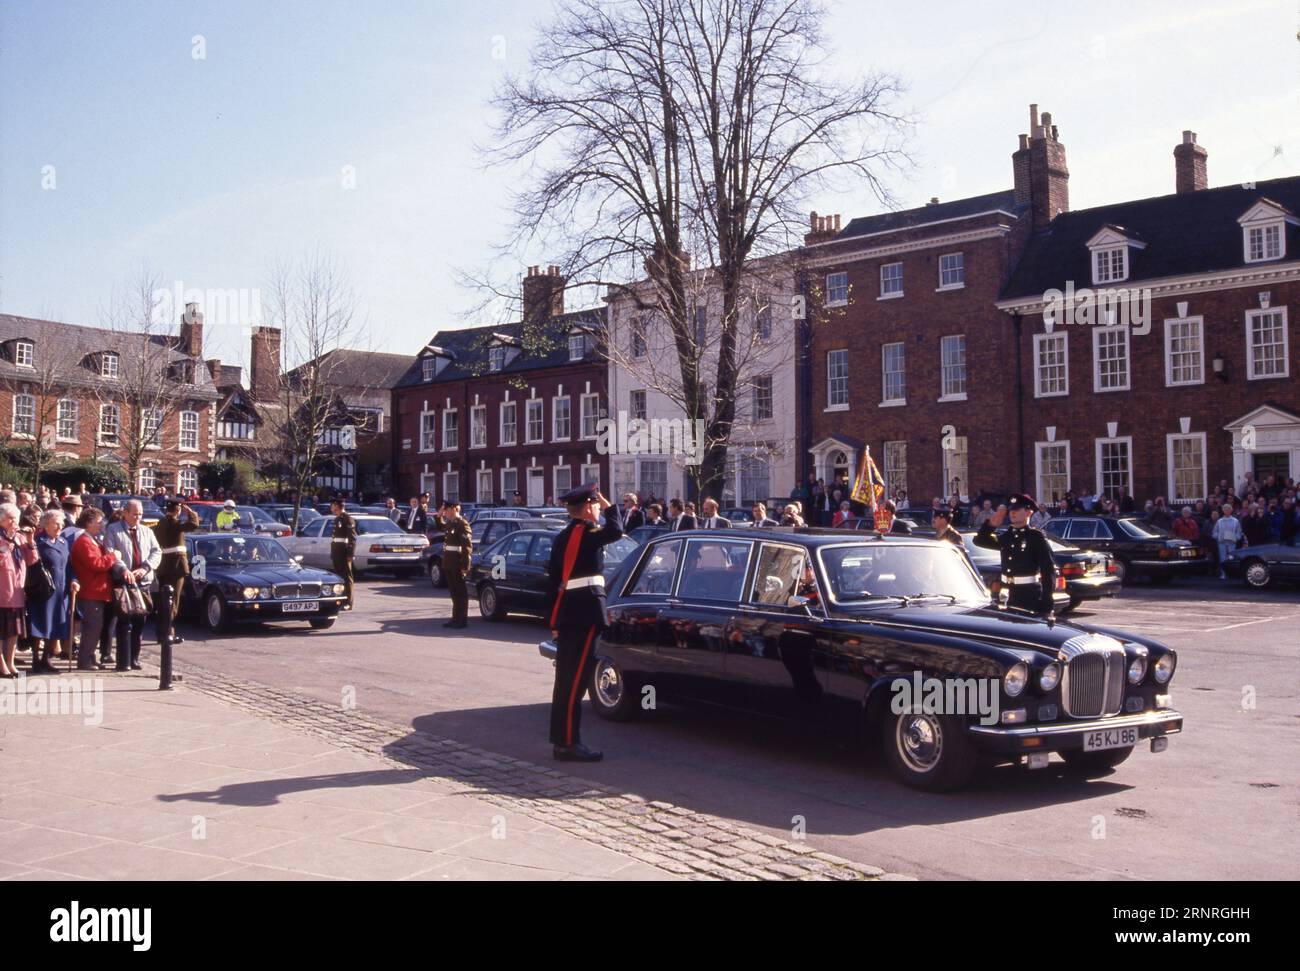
(870, 485)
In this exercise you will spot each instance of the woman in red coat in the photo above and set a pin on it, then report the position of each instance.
(93, 567)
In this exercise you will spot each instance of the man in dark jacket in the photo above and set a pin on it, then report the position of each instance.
(633, 517)
(1028, 571)
(578, 614)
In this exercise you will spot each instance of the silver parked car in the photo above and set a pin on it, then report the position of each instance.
(382, 545)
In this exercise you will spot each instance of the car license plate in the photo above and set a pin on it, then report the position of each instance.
(1188, 553)
(402, 549)
(301, 606)
(1110, 738)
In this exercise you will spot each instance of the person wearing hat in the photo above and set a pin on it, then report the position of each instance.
(1028, 571)
(343, 543)
(228, 517)
(578, 614)
(457, 546)
(942, 518)
(175, 565)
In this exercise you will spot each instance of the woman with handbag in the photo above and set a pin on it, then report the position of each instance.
(94, 567)
(17, 552)
(47, 591)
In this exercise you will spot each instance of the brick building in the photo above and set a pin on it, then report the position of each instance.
(490, 411)
(79, 389)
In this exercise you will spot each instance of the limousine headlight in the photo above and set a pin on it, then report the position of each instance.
(250, 593)
(1014, 681)
(340, 589)
(1050, 677)
(1164, 669)
(1137, 670)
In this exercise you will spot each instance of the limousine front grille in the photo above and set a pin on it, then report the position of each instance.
(295, 591)
(1093, 683)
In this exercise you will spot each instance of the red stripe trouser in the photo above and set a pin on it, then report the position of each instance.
(574, 660)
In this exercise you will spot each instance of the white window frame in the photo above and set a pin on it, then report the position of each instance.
(481, 476)
(428, 436)
(1170, 471)
(590, 474)
(592, 412)
(763, 318)
(1097, 447)
(945, 368)
(109, 365)
(770, 413)
(187, 472)
(1097, 333)
(959, 270)
(946, 455)
(893, 471)
(74, 417)
(428, 368)
(528, 422)
(580, 346)
(639, 346)
(832, 381)
(450, 415)
(641, 414)
(450, 493)
(478, 412)
(834, 286)
(891, 294)
(1043, 492)
(151, 427)
(147, 487)
(513, 408)
(1169, 350)
(1262, 228)
(1039, 341)
(109, 408)
(555, 419)
(1286, 345)
(1103, 259)
(181, 431)
(25, 397)
(496, 358)
(24, 354)
(556, 491)
(508, 494)
(885, 400)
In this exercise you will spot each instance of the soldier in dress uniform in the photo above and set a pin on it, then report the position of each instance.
(1028, 572)
(943, 530)
(458, 544)
(343, 544)
(579, 613)
(175, 565)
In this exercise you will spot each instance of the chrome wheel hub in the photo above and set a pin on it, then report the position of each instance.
(920, 741)
(609, 683)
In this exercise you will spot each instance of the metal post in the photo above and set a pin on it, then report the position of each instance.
(165, 636)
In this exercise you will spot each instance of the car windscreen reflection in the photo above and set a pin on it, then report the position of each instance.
(892, 572)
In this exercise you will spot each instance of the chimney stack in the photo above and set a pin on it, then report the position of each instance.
(264, 365)
(822, 228)
(214, 368)
(1189, 165)
(1042, 180)
(543, 294)
(191, 335)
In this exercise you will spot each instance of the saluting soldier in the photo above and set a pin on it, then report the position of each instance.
(578, 614)
(943, 528)
(1028, 571)
(457, 546)
(175, 564)
(343, 545)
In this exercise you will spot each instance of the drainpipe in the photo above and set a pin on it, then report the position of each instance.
(1020, 403)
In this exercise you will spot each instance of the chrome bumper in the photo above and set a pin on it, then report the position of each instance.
(1052, 736)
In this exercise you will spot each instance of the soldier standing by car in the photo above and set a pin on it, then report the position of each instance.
(1028, 571)
(175, 564)
(578, 614)
(457, 546)
(343, 544)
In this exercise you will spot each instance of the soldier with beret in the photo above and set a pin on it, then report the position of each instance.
(175, 564)
(943, 530)
(343, 545)
(458, 544)
(578, 615)
(1028, 571)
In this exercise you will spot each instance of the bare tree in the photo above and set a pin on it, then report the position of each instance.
(313, 305)
(37, 388)
(663, 134)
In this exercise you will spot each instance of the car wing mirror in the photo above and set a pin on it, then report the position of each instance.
(298, 558)
(800, 604)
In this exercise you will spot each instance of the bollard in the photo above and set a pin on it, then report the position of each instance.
(165, 636)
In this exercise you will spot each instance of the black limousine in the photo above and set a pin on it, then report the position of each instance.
(896, 635)
(245, 577)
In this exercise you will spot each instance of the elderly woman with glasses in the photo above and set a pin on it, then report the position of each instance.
(17, 553)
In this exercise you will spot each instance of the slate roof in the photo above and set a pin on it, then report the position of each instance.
(73, 343)
(542, 346)
(1190, 232)
(908, 218)
(230, 376)
(369, 370)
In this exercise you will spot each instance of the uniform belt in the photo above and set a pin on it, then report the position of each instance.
(1019, 581)
(451, 549)
(596, 581)
(173, 549)
(340, 539)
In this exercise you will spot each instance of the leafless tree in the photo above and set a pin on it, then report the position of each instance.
(665, 134)
(33, 435)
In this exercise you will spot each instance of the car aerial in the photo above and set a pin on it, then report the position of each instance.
(109, 503)
(512, 575)
(245, 577)
(382, 545)
(1080, 574)
(252, 519)
(724, 618)
(1260, 565)
(1138, 548)
(485, 532)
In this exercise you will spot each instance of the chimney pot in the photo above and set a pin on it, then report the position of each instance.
(1190, 173)
(1033, 117)
(1047, 119)
(837, 222)
(934, 200)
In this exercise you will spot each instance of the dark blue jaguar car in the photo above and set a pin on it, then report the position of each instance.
(246, 577)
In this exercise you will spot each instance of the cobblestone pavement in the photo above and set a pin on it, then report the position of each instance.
(681, 841)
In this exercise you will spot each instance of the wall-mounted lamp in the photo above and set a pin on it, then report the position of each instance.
(1220, 366)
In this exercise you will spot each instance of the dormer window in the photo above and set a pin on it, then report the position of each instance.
(108, 365)
(577, 347)
(1263, 231)
(496, 358)
(23, 353)
(1110, 265)
(428, 366)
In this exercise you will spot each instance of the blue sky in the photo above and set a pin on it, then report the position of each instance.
(209, 170)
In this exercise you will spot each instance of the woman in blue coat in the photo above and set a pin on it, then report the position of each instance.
(47, 620)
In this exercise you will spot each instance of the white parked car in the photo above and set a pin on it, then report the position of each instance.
(382, 545)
